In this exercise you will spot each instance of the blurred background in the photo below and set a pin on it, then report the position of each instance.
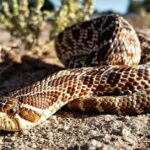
(35, 22)
(30, 26)
(119, 6)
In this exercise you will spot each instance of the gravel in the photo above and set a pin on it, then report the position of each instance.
(80, 131)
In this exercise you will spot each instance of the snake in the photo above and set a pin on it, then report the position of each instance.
(106, 70)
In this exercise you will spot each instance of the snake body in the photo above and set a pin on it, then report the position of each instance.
(103, 75)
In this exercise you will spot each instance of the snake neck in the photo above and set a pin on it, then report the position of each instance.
(52, 92)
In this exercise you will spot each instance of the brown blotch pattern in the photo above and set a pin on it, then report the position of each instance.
(42, 100)
(105, 81)
(29, 115)
(104, 38)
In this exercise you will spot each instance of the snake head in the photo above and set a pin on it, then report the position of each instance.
(16, 116)
(8, 110)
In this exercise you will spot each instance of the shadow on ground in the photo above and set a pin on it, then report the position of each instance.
(17, 75)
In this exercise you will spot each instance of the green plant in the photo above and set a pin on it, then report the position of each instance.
(22, 21)
(70, 12)
(146, 5)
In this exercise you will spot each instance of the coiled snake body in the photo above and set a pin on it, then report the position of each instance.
(104, 54)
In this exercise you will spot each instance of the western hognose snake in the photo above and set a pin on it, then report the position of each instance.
(104, 55)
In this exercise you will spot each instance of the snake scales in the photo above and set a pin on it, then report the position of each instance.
(106, 76)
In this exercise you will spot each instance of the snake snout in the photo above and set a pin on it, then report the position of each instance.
(16, 118)
(8, 111)
(8, 123)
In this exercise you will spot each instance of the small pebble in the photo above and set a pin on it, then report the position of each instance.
(108, 147)
(34, 145)
(13, 139)
(95, 143)
(125, 132)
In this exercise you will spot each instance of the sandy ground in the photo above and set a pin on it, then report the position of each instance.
(66, 130)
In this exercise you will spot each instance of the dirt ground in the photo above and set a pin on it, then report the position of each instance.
(66, 130)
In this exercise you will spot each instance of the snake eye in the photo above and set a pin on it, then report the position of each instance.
(12, 111)
(2, 104)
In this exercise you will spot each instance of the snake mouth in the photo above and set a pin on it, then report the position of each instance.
(8, 123)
